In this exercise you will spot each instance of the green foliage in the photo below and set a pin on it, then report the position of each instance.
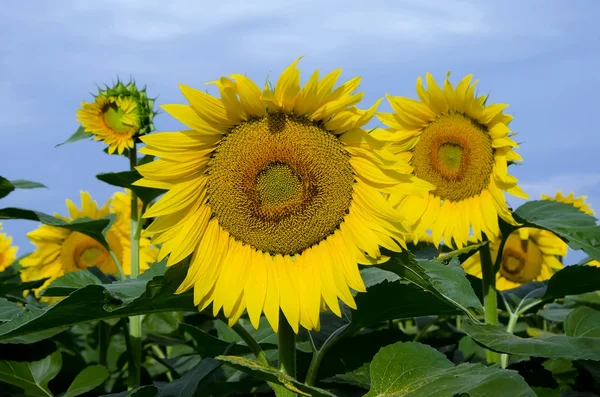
(78, 135)
(126, 179)
(416, 370)
(7, 186)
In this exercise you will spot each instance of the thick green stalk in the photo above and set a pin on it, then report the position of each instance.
(135, 322)
(490, 302)
(287, 352)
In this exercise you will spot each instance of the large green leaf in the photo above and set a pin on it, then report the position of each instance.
(95, 302)
(71, 282)
(7, 186)
(188, 384)
(447, 281)
(95, 228)
(126, 179)
(87, 380)
(16, 288)
(396, 300)
(77, 136)
(415, 370)
(273, 375)
(553, 346)
(583, 321)
(578, 229)
(9, 310)
(32, 377)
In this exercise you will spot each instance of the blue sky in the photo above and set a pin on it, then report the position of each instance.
(541, 57)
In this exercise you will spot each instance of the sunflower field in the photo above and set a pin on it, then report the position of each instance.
(291, 240)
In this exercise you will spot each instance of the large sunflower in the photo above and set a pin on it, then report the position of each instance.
(529, 255)
(276, 194)
(8, 253)
(59, 251)
(462, 146)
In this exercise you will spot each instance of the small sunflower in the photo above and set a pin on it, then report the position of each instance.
(276, 195)
(594, 263)
(577, 202)
(529, 255)
(8, 253)
(59, 251)
(462, 146)
(117, 116)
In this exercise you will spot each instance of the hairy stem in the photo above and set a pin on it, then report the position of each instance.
(489, 294)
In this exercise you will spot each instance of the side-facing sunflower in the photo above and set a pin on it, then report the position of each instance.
(577, 202)
(119, 237)
(59, 251)
(117, 116)
(529, 255)
(276, 195)
(8, 252)
(462, 146)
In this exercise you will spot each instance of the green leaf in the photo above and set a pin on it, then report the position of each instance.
(16, 288)
(578, 229)
(446, 281)
(32, 377)
(273, 375)
(95, 302)
(87, 380)
(77, 136)
(70, 282)
(555, 312)
(554, 346)
(126, 179)
(23, 184)
(415, 370)
(94, 228)
(7, 186)
(188, 384)
(9, 310)
(389, 301)
(360, 377)
(463, 253)
(583, 321)
(373, 275)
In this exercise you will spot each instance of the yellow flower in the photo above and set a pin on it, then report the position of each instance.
(462, 146)
(120, 240)
(112, 120)
(577, 202)
(118, 115)
(529, 255)
(8, 253)
(59, 251)
(276, 195)
(594, 263)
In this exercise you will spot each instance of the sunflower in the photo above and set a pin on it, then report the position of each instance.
(119, 237)
(276, 195)
(594, 263)
(529, 254)
(577, 202)
(8, 253)
(59, 251)
(117, 116)
(462, 146)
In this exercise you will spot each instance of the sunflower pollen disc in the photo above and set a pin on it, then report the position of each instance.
(280, 183)
(455, 154)
(83, 251)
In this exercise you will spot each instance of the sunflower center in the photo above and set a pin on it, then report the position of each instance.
(113, 118)
(522, 260)
(81, 251)
(455, 154)
(280, 183)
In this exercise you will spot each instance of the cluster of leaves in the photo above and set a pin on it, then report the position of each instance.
(418, 330)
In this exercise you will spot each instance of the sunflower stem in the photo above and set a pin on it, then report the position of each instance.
(489, 294)
(118, 263)
(135, 322)
(287, 352)
(510, 328)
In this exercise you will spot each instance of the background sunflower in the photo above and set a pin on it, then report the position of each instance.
(8, 252)
(461, 145)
